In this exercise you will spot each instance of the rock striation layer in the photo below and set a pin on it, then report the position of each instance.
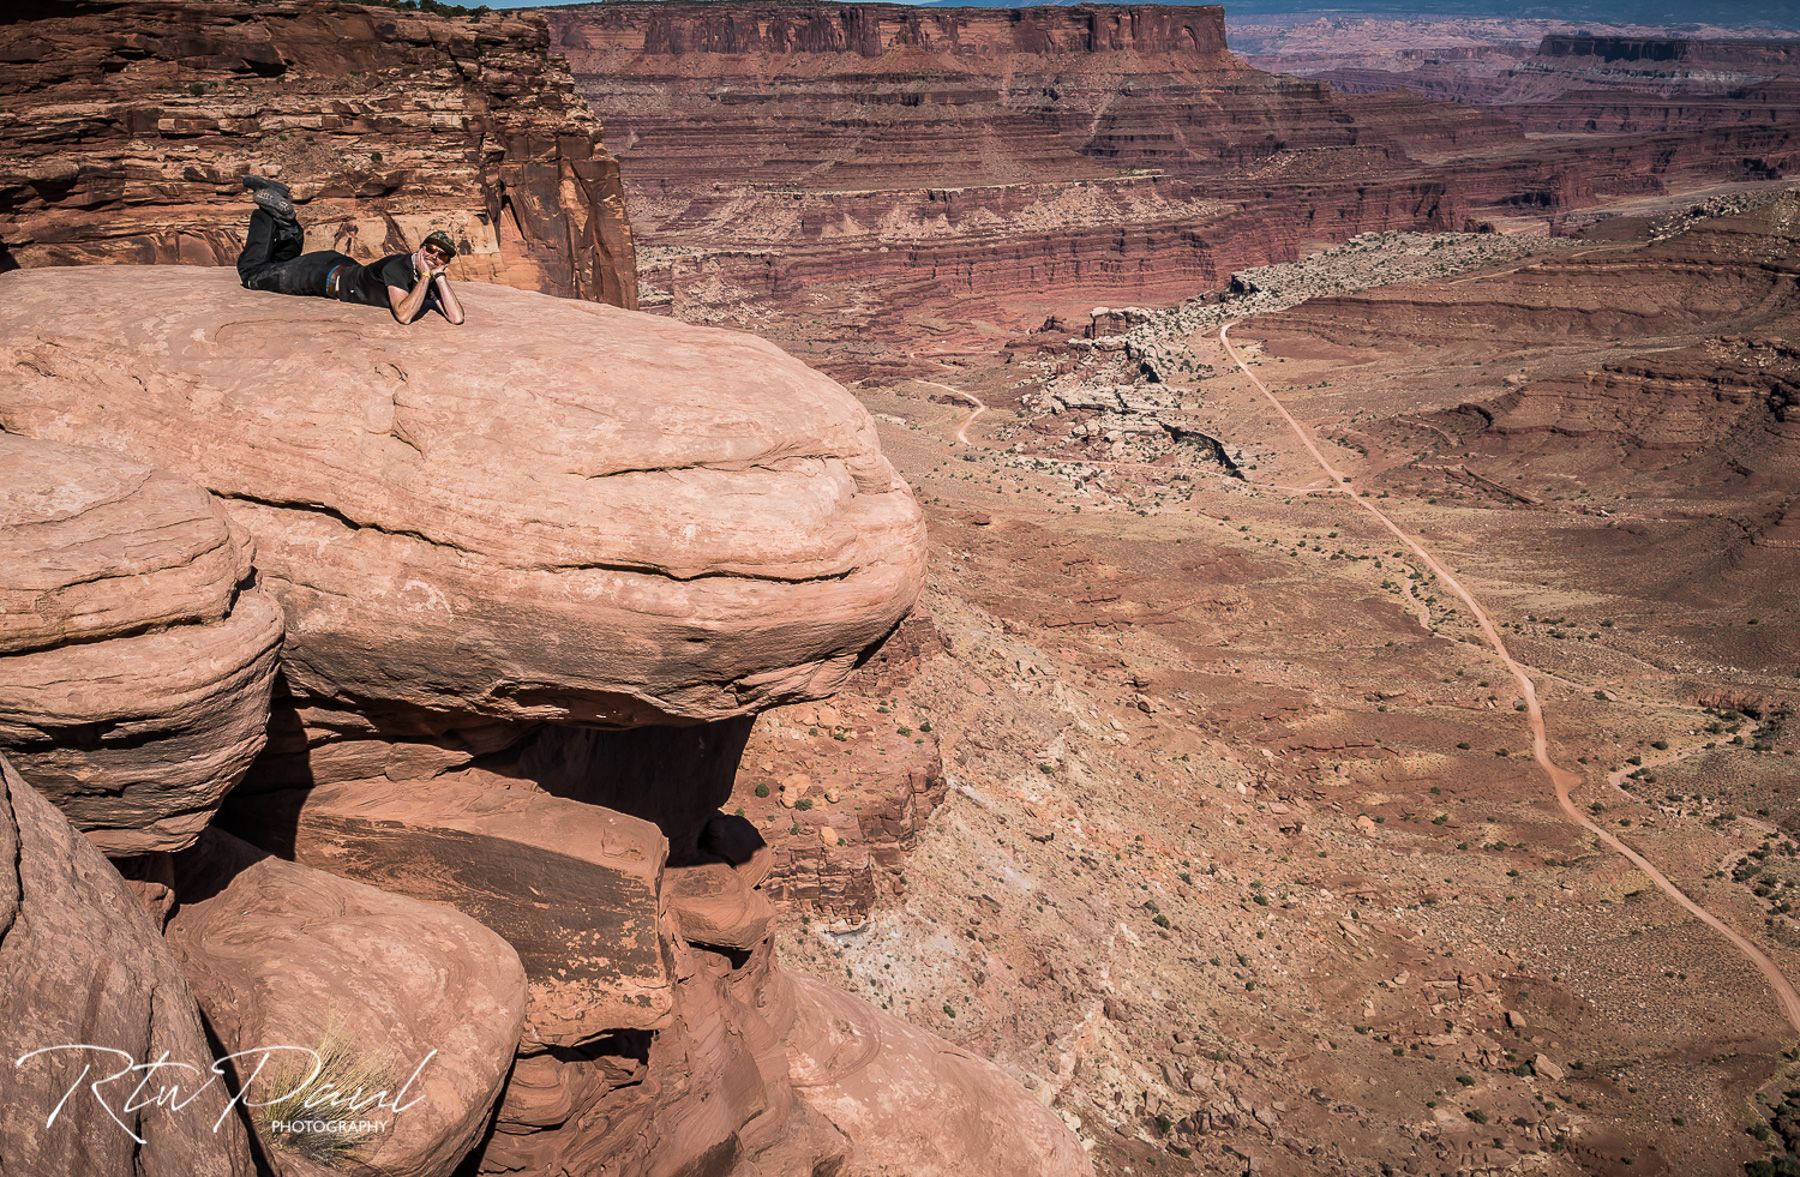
(128, 126)
(1673, 109)
(136, 659)
(575, 513)
(858, 160)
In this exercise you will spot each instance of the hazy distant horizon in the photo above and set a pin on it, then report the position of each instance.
(1671, 14)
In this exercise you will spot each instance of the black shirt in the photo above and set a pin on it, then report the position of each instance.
(368, 284)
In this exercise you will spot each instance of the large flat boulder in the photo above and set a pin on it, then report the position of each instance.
(135, 667)
(558, 511)
(366, 992)
(81, 963)
(574, 888)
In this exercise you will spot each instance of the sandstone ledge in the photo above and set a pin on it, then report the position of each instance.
(559, 511)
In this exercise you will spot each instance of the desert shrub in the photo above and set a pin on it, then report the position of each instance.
(341, 1069)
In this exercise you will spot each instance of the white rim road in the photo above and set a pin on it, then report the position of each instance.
(1561, 779)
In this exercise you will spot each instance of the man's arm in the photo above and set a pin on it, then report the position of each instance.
(406, 303)
(447, 298)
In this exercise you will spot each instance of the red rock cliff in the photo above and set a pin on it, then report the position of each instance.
(126, 128)
(874, 29)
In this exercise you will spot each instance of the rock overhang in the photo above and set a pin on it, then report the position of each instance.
(559, 510)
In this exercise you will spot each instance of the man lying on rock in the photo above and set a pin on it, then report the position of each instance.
(408, 284)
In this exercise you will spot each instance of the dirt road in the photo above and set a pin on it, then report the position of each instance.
(977, 406)
(1561, 779)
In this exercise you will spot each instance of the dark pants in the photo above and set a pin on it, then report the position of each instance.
(272, 260)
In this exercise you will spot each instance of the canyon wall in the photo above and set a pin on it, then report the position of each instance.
(883, 187)
(128, 128)
(868, 161)
(1735, 98)
(1653, 51)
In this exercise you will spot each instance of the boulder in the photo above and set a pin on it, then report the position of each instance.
(81, 963)
(135, 670)
(559, 511)
(717, 907)
(302, 973)
(912, 1103)
(573, 888)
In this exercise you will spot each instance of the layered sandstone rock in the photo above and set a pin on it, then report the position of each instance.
(320, 986)
(718, 907)
(127, 129)
(867, 162)
(593, 955)
(710, 1092)
(559, 511)
(878, 185)
(81, 963)
(135, 663)
(1673, 109)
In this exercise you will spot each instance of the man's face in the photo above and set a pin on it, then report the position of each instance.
(434, 257)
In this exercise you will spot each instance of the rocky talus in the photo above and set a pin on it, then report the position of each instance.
(127, 127)
(529, 595)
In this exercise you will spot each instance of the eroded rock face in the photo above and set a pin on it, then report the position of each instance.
(841, 789)
(717, 907)
(136, 122)
(641, 1052)
(709, 1093)
(560, 511)
(372, 982)
(81, 963)
(135, 664)
(871, 1074)
(572, 887)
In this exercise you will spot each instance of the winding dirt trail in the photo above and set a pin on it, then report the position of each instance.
(978, 407)
(1561, 779)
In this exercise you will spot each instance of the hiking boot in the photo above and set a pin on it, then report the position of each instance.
(274, 203)
(257, 184)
